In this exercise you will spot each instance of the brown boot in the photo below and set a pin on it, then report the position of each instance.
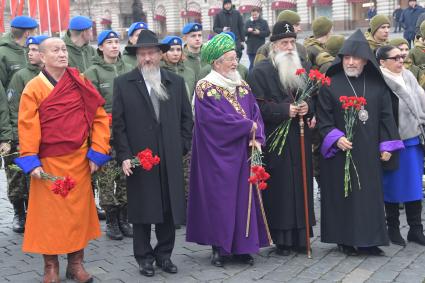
(75, 269)
(51, 269)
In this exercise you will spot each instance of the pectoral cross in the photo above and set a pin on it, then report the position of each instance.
(288, 28)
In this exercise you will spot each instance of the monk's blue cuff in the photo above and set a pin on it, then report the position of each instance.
(391, 145)
(28, 163)
(97, 157)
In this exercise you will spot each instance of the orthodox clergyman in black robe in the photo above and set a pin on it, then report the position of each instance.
(274, 83)
(356, 222)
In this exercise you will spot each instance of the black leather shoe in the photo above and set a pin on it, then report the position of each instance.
(217, 259)
(348, 250)
(245, 258)
(283, 250)
(371, 251)
(167, 265)
(146, 269)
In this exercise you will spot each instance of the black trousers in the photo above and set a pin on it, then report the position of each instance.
(165, 233)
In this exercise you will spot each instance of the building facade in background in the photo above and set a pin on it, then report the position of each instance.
(169, 16)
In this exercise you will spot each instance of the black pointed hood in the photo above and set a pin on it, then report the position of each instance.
(355, 45)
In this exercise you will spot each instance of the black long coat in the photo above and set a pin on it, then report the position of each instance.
(136, 128)
(284, 199)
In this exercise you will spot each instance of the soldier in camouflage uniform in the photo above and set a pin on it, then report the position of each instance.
(133, 34)
(332, 46)
(110, 180)
(403, 45)
(174, 61)
(378, 32)
(417, 53)
(294, 19)
(315, 44)
(13, 59)
(18, 183)
(192, 35)
(77, 40)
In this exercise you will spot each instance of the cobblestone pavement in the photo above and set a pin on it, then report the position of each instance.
(112, 261)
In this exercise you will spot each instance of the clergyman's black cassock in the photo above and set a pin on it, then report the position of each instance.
(284, 198)
(359, 219)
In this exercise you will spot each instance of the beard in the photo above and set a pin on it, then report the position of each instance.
(152, 75)
(287, 64)
(234, 76)
(353, 72)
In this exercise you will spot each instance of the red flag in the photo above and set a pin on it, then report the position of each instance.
(32, 6)
(49, 10)
(64, 14)
(2, 5)
(21, 7)
(13, 8)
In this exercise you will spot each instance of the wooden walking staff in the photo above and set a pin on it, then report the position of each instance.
(304, 174)
(260, 200)
(248, 218)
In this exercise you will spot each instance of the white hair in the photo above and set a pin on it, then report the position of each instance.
(287, 64)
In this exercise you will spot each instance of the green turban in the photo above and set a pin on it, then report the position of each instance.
(216, 47)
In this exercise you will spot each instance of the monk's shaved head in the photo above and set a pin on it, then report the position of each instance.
(53, 53)
(48, 42)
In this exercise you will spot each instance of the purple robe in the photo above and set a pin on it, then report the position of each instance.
(220, 168)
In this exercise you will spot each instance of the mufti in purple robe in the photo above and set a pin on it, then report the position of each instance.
(225, 111)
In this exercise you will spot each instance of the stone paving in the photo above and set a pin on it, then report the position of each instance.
(112, 261)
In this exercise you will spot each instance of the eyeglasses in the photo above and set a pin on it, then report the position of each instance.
(396, 58)
(231, 59)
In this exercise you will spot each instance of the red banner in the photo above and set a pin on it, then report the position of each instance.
(49, 10)
(32, 7)
(2, 5)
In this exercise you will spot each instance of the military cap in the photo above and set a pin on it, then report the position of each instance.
(289, 16)
(378, 21)
(106, 34)
(35, 39)
(23, 22)
(321, 26)
(80, 23)
(172, 40)
(135, 26)
(190, 27)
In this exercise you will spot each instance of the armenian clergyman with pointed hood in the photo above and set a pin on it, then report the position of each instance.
(226, 118)
(356, 222)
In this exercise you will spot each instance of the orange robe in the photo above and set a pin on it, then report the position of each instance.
(57, 225)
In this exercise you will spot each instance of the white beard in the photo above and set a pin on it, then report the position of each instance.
(287, 63)
(234, 76)
(351, 72)
(152, 75)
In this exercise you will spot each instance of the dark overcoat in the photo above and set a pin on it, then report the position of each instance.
(136, 128)
(284, 199)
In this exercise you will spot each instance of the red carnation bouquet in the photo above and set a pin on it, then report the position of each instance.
(145, 159)
(61, 185)
(258, 177)
(351, 106)
(312, 81)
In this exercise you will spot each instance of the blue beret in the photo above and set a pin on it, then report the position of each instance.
(23, 22)
(172, 40)
(231, 34)
(106, 34)
(35, 39)
(191, 27)
(80, 23)
(135, 26)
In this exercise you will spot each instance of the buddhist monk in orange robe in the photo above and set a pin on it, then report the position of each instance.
(63, 131)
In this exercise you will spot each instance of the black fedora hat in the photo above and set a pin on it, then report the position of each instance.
(147, 38)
